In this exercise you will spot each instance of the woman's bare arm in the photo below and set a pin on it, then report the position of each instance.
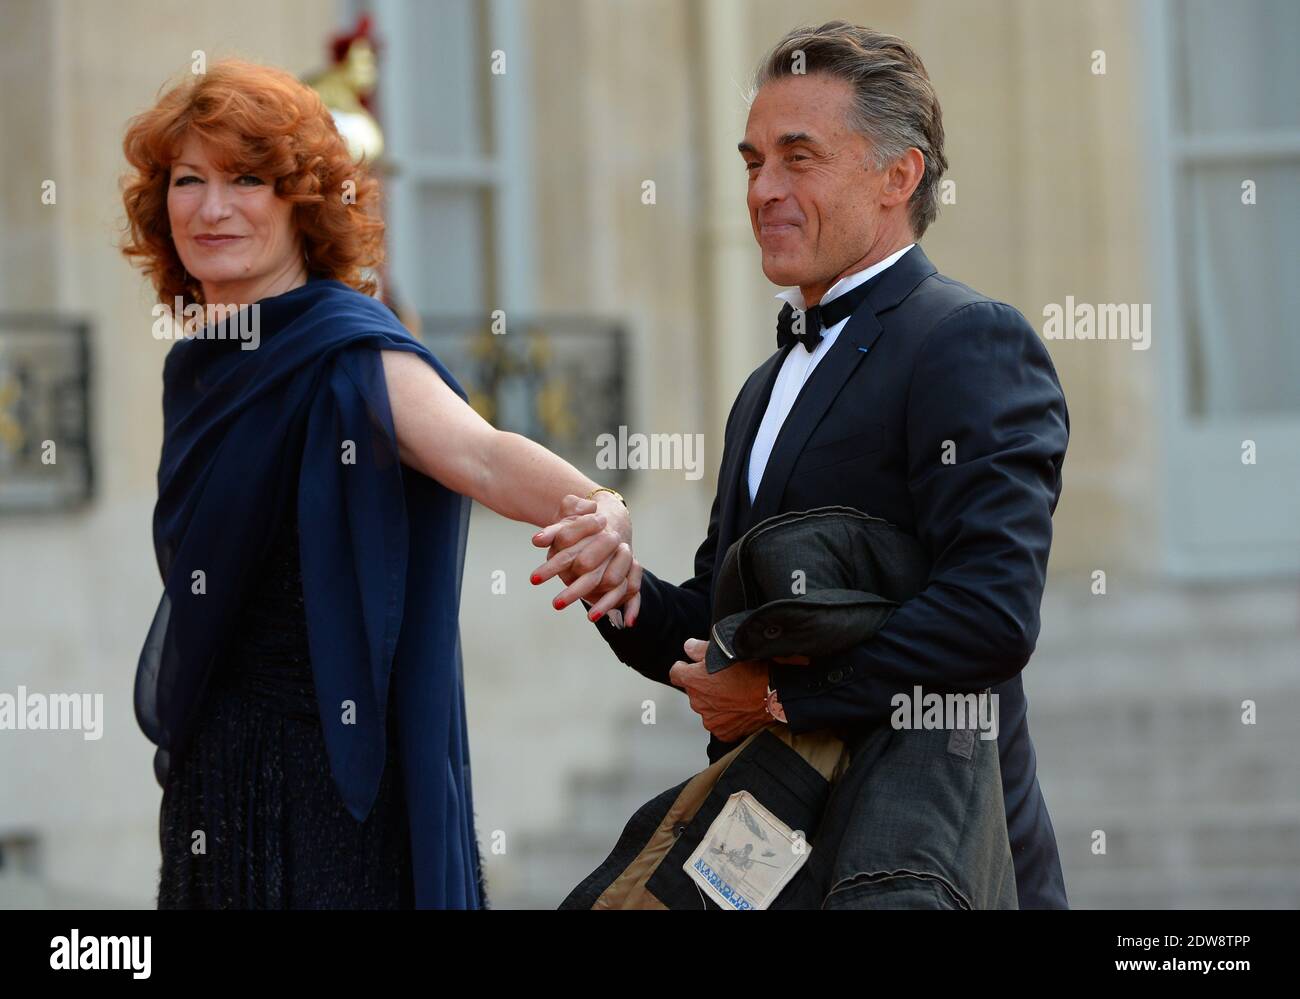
(440, 435)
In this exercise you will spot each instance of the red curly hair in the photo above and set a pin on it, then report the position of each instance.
(259, 120)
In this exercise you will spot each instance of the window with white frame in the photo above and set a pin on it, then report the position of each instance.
(1237, 86)
(451, 103)
(1226, 185)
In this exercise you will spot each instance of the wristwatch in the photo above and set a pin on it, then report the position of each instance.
(773, 706)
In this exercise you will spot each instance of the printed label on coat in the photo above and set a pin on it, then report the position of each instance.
(747, 856)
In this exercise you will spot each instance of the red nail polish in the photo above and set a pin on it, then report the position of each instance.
(559, 604)
(594, 616)
(535, 579)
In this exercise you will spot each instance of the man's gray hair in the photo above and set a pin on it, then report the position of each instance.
(894, 106)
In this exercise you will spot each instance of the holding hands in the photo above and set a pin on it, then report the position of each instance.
(590, 549)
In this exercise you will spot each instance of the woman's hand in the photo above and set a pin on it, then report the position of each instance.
(590, 549)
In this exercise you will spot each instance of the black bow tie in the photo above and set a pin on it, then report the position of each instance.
(819, 317)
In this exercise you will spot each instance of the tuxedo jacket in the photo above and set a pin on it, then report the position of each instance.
(939, 410)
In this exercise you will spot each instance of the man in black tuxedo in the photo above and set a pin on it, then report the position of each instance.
(894, 390)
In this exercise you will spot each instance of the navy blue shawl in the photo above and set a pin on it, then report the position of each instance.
(382, 550)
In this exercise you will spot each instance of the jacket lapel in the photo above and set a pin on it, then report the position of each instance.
(733, 475)
(849, 350)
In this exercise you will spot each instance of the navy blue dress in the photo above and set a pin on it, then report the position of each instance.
(255, 779)
(299, 426)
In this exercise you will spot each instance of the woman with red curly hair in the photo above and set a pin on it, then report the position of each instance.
(302, 675)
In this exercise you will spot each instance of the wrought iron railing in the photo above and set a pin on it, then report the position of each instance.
(560, 381)
(45, 454)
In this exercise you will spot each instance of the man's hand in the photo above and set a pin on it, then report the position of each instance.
(731, 703)
(590, 549)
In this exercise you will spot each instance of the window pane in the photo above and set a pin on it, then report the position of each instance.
(451, 247)
(1243, 295)
(446, 48)
(1238, 69)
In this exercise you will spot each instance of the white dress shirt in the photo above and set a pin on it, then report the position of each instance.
(799, 365)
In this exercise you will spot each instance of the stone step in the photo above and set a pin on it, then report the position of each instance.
(1185, 840)
(1224, 789)
(548, 866)
(1159, 612)
(1191, 724)
(1219, 888)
